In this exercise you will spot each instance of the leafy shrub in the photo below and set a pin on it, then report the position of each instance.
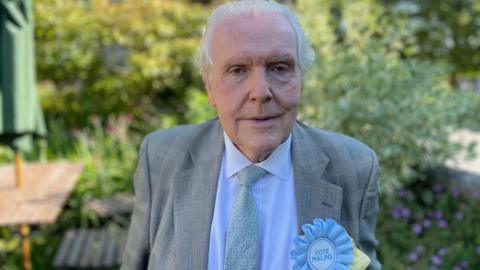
(429, 227)
(366, 88)
(111, 58)
(468, 103)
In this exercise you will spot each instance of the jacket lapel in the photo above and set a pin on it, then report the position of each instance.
(315, 196)
(194, 191)
(194, 200)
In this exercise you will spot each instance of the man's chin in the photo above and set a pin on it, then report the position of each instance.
(261, 147)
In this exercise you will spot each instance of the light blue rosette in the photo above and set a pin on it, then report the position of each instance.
(324, 246)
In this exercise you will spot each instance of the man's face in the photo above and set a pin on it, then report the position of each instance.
(255, 81)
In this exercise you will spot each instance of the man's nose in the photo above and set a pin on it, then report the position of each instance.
(259, 86)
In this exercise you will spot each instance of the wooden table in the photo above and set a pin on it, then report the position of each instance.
(46, 188)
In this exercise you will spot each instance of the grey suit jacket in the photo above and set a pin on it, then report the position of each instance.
(176, 182)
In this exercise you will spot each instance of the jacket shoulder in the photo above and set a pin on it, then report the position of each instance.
(338, 146)
(181, 135)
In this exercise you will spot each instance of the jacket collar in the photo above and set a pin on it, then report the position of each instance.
(315, 196)
(195, 190)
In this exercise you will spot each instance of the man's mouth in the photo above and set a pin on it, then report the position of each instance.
(261, 117)
(262, 120)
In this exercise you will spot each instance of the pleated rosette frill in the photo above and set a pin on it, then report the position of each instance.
(325, 245)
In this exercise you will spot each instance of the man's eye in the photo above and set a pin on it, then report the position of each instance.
(236, 70)
(280, 68)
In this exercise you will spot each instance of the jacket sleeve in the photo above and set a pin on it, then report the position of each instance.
(368, 216)
(137, 248)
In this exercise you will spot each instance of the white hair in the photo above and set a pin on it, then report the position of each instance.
(305, 53)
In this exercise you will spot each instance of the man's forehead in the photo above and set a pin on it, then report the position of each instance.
(265, 36)
(275, 56)
(262, 21)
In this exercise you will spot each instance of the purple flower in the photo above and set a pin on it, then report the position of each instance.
(455, 192)
(413, 256)
(402, 193)
(405, 212)
(419, 249)
(438, 214)
(442, 251)
(433, 268)
(436, 260)
(456, 267)
(459, 215)
(438, 189)
(396, 213)
(464, 263)
(427, 223)
(477, 249)
(443, 224)
(417, 229)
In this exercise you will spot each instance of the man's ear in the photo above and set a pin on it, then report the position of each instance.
(208, 87)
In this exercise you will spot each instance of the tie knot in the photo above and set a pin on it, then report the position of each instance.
(249, 175)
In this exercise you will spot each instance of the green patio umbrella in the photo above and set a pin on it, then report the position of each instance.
(20, 112)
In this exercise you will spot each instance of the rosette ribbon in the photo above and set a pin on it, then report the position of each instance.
(325, 245)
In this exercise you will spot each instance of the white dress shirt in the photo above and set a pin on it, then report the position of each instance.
(275, 198)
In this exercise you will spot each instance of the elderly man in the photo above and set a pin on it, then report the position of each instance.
(233, 192)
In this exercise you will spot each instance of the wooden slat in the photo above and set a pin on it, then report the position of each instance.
(94, 248)
(64, 249)
(97, 260)
(119, 204)
(90, 248)
(84, 260)
(121, 246)
(110, 247)
(76, 250)
(46, 188)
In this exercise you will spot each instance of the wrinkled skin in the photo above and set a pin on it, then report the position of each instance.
(255, 81)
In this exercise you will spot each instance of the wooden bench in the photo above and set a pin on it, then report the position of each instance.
(91, 248)
(115, 208)
(97, 248)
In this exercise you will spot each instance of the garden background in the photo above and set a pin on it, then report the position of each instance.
(387, 72)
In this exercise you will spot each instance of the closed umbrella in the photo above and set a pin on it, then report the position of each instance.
(20, 113)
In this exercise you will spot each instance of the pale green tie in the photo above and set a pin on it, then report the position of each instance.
(243, 245)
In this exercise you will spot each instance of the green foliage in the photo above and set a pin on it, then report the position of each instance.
(445, 30)
(429, 226)
(364, 88)
(107, 59)
(198, 108)
(468, 103)
(109, 155)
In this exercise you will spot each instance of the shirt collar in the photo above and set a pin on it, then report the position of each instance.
(278, 163)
